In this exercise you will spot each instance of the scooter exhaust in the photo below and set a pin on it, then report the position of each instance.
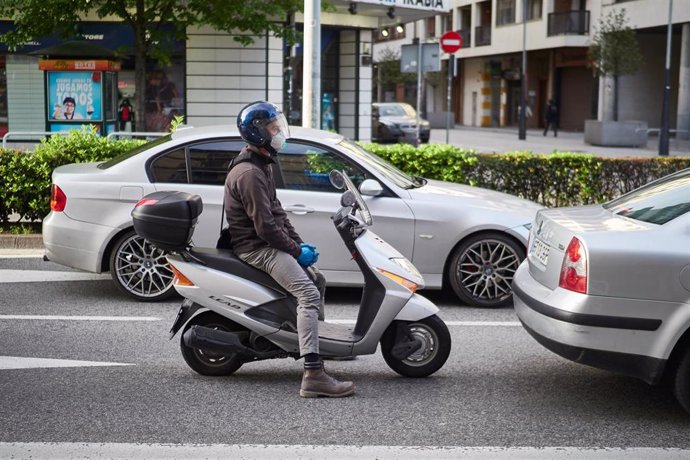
(213, 340)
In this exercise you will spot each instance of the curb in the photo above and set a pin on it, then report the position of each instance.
(33, 241)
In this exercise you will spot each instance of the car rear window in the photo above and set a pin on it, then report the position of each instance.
(135, 151)
(657, 202)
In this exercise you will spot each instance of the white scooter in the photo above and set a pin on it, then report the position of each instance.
(234, 313)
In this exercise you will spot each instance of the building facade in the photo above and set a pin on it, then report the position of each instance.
(556, 35)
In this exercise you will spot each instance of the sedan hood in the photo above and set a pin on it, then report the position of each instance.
(477, 197)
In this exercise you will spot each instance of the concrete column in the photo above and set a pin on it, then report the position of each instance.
(605, 109)
(683, 114)
(474, 23)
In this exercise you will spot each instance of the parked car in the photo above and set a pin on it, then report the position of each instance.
(396, 122)
(469, 239)
(609, 285)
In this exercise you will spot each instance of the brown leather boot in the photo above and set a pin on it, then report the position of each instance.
(315, 383)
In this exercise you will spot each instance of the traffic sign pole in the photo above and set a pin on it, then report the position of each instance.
(451, 42)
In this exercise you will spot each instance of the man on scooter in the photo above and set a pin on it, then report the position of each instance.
(262, 235)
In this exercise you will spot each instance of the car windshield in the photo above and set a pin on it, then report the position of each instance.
(386, 169)
(135, 151)
(657, 202)
(396, 110)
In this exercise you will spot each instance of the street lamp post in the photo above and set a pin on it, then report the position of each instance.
(663, 134)
(522, 130)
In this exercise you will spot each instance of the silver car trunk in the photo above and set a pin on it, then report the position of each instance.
(553, 229)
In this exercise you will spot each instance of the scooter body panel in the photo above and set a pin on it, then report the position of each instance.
(418, 307)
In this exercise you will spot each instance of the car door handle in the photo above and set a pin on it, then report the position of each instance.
(299, 209)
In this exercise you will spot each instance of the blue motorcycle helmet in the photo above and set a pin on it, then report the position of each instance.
(263, 125)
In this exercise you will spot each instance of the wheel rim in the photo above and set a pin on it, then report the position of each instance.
(429, 347)
(486, 269)
(142, 268)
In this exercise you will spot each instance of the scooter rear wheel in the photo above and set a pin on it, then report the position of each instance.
(209, 363)
(435, 337)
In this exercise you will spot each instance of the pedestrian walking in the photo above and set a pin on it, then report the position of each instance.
(551, 118)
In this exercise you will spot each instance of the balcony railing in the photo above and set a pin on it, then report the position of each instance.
(569, 23)
(466, 35)
(482, 35)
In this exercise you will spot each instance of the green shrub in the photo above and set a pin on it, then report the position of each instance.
(27, 175)
(557, 179)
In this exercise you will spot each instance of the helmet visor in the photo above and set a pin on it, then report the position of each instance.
(278, 125)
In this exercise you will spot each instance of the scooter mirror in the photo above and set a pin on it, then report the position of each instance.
(348, 199)
(336, 178)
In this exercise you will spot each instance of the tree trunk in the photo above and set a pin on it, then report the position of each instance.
(615, 98)
(140, 67)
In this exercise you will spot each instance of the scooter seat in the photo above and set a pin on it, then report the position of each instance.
(226, 261)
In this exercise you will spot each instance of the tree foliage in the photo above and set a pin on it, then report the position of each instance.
(614, 50)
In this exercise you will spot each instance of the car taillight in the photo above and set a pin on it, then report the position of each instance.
(574, 268)
(58, 199)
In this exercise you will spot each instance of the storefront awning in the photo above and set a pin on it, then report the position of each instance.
(393, 11)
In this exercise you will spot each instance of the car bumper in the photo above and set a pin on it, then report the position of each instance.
(563, 322)
(74, 243)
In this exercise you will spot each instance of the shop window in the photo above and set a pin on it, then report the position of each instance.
(164, 96)
(209, 162)
(506, 12)
(170, 167)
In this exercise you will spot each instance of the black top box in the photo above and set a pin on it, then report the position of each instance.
(167, 219)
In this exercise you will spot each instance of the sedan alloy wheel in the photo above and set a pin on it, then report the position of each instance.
(140, 269)
(482, 269)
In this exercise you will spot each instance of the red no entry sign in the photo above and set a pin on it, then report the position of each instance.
(451, 41)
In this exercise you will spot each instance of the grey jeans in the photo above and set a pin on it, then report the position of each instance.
(307, 285)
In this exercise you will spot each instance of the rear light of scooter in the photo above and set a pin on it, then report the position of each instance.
(58, 199)
(179, 279)
(574, 268)
(400, 280)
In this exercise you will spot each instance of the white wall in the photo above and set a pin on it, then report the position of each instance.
(25, 94)
(472, 83)
(223, 75)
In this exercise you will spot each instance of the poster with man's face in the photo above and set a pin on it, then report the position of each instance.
(74, 96)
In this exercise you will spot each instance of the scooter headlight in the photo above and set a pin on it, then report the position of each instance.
(412, 286)
(406, 265)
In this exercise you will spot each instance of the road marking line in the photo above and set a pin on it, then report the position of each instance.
(448, 323)
(17, 362)
(350, 322)
(36, 276)
(51, 450)
(80, 318)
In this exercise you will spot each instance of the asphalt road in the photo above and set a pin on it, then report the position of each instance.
(499, 387)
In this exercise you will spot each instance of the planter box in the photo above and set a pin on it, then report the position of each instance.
(616, 133)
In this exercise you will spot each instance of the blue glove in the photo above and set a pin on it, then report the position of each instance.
(308, 256)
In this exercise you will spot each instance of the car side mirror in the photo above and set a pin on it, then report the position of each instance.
(370, 187)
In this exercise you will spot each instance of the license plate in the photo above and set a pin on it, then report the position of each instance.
(540, 251)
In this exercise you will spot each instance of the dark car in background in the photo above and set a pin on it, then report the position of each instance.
(397, 122)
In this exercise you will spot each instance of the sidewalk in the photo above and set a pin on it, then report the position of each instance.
(487, 140)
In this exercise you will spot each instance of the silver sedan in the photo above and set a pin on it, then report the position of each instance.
(609, 285)
(469, 239)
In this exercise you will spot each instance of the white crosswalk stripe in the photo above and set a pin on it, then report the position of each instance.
(60, 450)
(37, 276)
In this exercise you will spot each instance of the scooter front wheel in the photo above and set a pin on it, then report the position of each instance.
(435, 338)
(210, 363)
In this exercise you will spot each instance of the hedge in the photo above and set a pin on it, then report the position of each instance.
(27, 175)
(557, 179)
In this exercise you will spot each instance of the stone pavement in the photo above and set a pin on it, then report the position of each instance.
(486, 140)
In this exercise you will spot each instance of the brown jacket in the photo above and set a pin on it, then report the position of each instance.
(255, 216)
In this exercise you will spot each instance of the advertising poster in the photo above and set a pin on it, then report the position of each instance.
(74, 96)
